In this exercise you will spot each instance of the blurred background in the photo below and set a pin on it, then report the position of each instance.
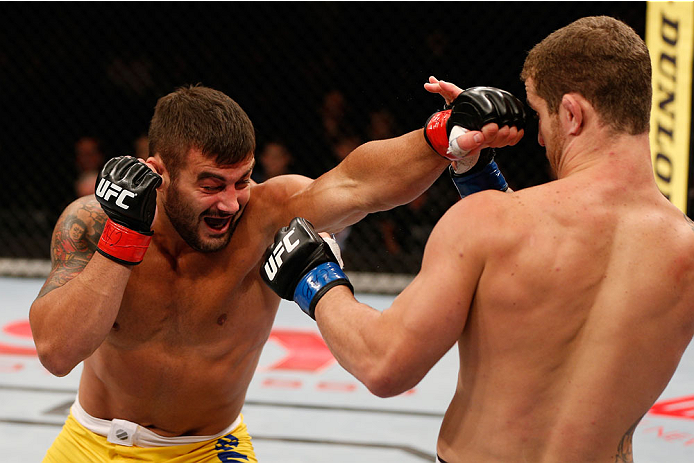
(79, 81)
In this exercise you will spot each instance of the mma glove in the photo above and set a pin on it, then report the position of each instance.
(127, 191)
(301, 266)
(471, 110)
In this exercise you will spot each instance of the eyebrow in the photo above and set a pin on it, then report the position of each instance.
(207, 174)
(204, 175)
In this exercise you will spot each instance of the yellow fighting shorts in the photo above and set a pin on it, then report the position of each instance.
(85, 439)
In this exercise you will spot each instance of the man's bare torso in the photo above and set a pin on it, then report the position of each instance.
(187, 338)
(577, 325)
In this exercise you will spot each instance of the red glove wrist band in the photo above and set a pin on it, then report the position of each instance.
(437, 134)
(122, 244)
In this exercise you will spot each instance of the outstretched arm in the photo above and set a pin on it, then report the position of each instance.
(382, 174)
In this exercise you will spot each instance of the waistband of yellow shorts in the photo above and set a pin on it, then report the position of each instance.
(123, 432)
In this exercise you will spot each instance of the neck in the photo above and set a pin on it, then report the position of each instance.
(165, 235)
(604, 150)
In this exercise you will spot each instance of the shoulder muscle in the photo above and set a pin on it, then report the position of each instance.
(271, 199)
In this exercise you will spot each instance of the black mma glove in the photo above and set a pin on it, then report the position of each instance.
(301, 266)
(471, 110)
(127, 191)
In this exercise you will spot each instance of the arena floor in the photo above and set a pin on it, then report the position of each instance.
(302, 407)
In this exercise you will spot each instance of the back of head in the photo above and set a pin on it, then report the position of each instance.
(204, 118)
(602, 59)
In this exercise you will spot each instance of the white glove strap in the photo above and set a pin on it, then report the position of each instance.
(335, 248)
(464, 160)
(454, 150)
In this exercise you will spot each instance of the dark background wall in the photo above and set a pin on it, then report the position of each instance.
(69, 70)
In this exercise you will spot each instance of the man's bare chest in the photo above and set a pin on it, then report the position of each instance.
(199, 306)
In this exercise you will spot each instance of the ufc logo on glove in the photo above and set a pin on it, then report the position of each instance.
(274, 262)
(106, 190)
(310, 267)
(128, 230)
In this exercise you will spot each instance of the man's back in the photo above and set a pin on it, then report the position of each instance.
(579, 320)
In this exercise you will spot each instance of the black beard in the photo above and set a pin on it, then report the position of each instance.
(185, 222)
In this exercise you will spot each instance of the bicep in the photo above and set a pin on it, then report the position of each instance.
(74, 241)
(331, 202)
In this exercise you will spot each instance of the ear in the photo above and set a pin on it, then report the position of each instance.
(157, 165)
(573, 115)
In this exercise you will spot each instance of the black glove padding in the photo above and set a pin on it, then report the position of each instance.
(478, 106)
(127, 191)
(472, 110)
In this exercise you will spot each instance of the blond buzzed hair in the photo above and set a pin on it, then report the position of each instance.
(602, 59)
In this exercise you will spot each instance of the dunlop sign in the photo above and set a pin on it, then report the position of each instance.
(670, 41)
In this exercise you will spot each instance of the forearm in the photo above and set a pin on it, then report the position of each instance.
(358, 338)
(71, 321)
(379, 349)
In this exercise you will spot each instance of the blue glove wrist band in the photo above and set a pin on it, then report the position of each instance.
(489, 178)
(317, 282)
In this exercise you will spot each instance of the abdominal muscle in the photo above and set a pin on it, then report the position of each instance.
(171, 391)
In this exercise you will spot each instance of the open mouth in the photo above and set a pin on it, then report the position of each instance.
(217, 223)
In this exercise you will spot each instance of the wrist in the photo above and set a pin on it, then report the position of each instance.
(123, 245)
(333, 300)
(316, 283)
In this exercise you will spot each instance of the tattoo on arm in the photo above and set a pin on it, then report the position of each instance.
(75, 237)
(624, 449)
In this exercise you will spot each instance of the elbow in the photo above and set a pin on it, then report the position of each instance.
(390, 380)
(56, 354)
(57, 362)
(382, 389)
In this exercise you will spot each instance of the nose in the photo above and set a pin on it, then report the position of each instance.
(229, 201)
(540, 140)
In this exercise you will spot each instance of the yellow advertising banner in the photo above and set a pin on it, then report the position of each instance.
(670, 39)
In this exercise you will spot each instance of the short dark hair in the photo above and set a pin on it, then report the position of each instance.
(605, 61)
(200, 117)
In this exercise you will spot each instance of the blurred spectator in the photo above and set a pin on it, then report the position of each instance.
(405, 231)
(89, 158)
(382, 125)
(274, 159)
(333, 112)
(340, 135)
(141, 147)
